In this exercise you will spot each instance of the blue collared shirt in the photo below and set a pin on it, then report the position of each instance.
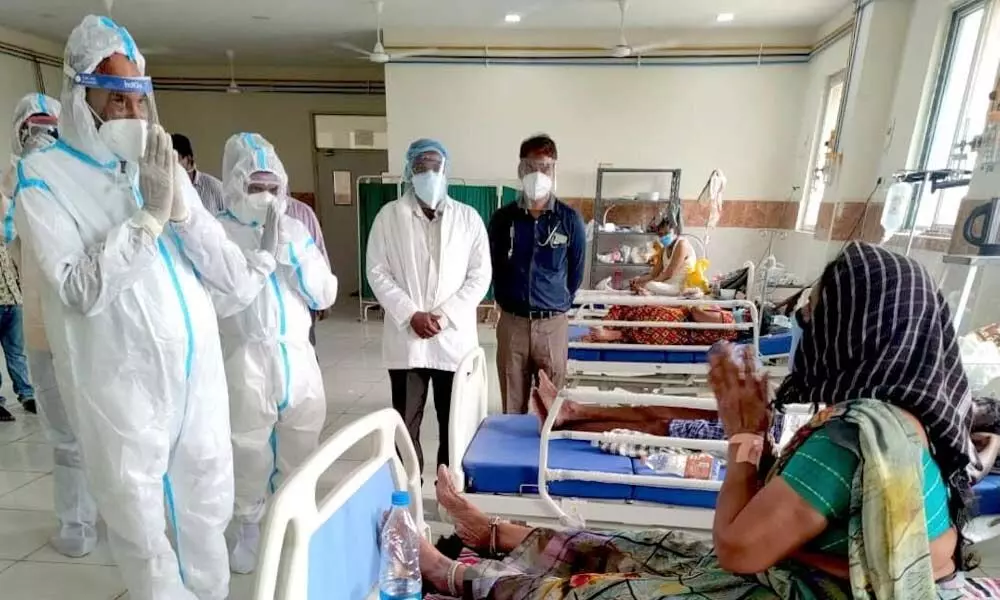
(537, 263)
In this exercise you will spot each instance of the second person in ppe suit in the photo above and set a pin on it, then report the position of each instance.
(35, 129)
(276, 394)
(129, 257)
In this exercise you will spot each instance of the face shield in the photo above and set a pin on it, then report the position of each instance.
(38, 131)
(123, 110)
(426, 175)
(538, 177)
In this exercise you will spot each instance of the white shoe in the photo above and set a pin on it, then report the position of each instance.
(75, 540)
(244, 544)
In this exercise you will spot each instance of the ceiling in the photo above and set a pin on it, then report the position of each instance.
(269, 31)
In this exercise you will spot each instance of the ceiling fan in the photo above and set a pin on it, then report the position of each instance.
(378, 54)
(624, 50)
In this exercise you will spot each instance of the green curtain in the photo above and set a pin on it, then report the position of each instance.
(373, 196)
(509, 195)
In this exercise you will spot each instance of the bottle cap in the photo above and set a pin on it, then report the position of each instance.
(401, 498)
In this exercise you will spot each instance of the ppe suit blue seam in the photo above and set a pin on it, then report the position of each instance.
(168, 492)
(273, 442)
(260, 157)
(84, 157)
(298, 276)
(43, 104)
(127, 40)
(180, 248)
(189, 329)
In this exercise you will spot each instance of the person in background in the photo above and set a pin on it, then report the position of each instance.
(277, 400)
(303, 213)
(677, 260)
(428, 264)
(209, 188)
(11, 311)
(129, 257)
(35, 128)
(537, 245)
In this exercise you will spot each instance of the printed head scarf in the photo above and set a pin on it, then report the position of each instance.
(882, 330)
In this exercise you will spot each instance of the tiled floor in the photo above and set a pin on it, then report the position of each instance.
(356, 384)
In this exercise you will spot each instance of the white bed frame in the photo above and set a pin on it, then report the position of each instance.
(536, 505)
(680, 378)
(295, 507)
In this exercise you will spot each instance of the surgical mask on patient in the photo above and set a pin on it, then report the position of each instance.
(668, 239)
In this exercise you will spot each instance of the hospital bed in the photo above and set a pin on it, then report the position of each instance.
(673, 368)
(507, 467)
(325, 546)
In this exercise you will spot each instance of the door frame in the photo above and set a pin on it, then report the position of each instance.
(314, 149)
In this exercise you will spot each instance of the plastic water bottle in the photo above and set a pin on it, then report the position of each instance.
(399, 573)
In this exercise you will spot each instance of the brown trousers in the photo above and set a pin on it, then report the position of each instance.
(525, 347)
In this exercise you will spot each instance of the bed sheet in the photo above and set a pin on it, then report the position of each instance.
(503, 459)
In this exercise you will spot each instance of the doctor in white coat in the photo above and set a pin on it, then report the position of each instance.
(429, 266)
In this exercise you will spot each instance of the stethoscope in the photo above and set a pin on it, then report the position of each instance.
(548, 243)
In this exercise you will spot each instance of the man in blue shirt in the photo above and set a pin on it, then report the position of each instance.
(537, 246)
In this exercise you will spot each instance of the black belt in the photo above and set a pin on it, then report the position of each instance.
(537, 315)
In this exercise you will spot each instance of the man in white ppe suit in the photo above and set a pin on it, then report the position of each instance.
(35, 129)
(276, 396)
(429, 266)
(128, 256)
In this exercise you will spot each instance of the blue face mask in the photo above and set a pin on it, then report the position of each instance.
(667, 239)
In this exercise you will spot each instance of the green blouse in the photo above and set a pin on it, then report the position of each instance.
(821, 472)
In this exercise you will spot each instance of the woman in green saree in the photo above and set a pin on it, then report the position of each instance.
(866, 502)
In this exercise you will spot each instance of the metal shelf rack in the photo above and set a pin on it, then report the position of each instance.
(601, 205)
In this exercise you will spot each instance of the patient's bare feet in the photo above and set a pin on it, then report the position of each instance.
(471, 525)
(434, 566)
(545, 396)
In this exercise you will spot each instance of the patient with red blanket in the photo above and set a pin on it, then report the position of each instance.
(664, 336)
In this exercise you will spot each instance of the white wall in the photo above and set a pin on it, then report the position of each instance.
(286, 120)
(743, 119)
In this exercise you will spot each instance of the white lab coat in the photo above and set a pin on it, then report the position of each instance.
(397, 273)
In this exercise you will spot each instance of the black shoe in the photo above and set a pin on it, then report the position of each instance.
(5, 416)
(29, 405)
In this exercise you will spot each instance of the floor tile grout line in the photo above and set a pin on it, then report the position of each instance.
(9, 492)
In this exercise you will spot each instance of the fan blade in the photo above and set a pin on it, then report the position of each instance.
(653, 47)
(353, 48)
(412, 53)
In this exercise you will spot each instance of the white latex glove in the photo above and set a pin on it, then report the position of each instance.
(156, 175)
(179, 209)
(8, 182)
(269, 237)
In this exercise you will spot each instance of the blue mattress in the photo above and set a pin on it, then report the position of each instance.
(503, 459)
(770, 345)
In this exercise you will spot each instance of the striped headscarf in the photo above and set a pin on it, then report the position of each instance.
(882, 330)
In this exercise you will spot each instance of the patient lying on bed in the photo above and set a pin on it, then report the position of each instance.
(687, 423)
(664, 336)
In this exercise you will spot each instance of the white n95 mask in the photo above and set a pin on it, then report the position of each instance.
(429, 187)
(125, 138)
(537, 186)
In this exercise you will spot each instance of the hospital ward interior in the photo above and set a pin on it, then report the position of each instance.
(500, 299)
